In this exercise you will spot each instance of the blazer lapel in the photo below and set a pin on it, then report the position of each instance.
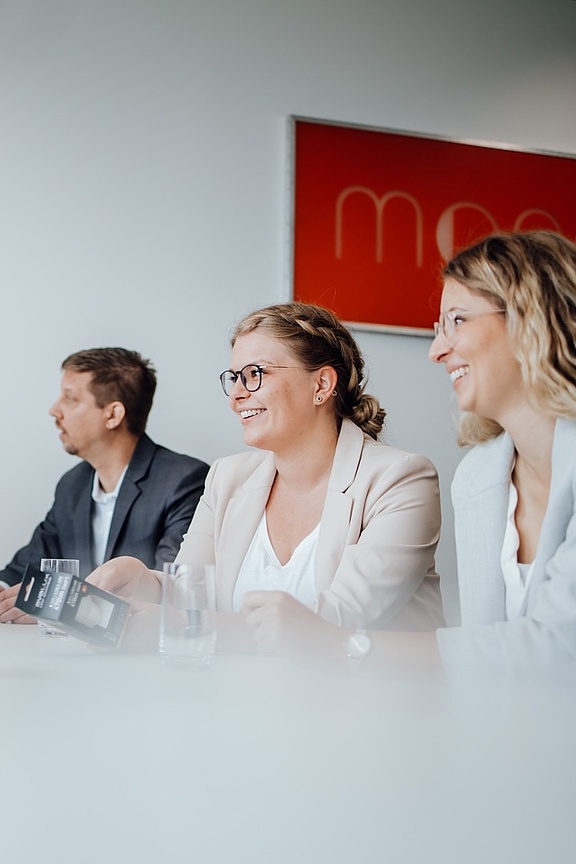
(82, 530)
(126, 497)
(336, 515)
(560, 508)
(239, 525)
(481, 512)
(130, 490)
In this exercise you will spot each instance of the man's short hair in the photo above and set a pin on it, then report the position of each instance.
(118, 375)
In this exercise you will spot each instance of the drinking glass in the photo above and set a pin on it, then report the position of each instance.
(57, 565)
(187, 626)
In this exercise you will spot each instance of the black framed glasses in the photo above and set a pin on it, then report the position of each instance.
(250, 376)
(449, 322)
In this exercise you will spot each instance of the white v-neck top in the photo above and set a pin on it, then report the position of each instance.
(516, 576)
(262, 571)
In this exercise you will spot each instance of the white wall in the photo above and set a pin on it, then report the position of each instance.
(143, 181)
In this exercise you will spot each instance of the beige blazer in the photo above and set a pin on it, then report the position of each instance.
(378, 533)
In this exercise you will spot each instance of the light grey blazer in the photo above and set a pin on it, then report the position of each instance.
(378, 533)
(547, 633)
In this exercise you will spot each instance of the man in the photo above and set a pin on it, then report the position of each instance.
(128, 496)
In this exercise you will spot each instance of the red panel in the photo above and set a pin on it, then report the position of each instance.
(376, 212)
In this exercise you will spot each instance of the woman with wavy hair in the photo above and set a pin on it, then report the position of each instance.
(507, 337)
(321, 510)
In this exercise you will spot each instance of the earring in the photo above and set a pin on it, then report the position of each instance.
(334, 393)
(319, 398)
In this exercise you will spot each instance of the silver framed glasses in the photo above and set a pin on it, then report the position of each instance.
(449, 323)
(250, 376)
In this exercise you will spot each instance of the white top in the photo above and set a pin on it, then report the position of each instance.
(516, 576)
(262, 571)
(102, 513)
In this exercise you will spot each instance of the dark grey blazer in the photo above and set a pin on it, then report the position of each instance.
(154, 508)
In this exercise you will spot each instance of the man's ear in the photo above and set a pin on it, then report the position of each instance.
(115, 413)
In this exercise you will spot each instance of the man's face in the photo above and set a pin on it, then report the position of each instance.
(81, 422)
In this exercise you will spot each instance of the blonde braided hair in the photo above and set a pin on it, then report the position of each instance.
(317, 337)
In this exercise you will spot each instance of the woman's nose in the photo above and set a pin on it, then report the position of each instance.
(238, 390)
(438, 349)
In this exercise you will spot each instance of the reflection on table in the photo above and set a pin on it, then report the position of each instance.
(115, 758)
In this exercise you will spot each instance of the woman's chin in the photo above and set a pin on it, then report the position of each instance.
(253, 440)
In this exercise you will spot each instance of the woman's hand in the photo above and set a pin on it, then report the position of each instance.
(129, 578)
(281, 625)
(9, 614)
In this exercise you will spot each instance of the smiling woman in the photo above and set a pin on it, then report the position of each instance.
(514, 375)
(299, 395)
(321, 509)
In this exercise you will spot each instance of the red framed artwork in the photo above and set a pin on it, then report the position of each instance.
(375, 213)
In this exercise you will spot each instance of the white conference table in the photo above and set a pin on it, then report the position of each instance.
(115, 758)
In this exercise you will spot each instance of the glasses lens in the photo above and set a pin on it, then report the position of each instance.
(448, 329)
(251, 377)
(444, 327)
(227, 380)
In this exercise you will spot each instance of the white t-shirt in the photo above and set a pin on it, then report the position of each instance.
(262, 571)
(516, 576)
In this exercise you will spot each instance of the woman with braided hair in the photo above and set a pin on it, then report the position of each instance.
(340, 523)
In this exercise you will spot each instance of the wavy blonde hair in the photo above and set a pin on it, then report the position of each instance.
(532, 277)
(317, 337)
